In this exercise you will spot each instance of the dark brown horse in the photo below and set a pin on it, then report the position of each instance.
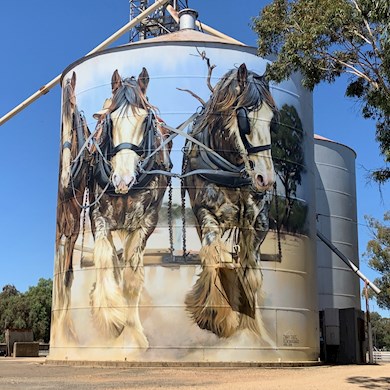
(74, 163)
(228, 198)
(129, 204)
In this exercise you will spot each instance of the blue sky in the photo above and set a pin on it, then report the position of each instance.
(39, 39)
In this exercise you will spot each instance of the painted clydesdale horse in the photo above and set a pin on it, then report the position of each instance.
(74, 165)
(129, 203)
(231, 209)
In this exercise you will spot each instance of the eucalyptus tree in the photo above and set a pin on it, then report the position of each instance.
(324, 39)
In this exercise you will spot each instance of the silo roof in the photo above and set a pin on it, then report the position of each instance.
(187, 35)
(321, 138)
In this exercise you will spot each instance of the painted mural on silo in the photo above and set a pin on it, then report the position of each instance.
(182, 201)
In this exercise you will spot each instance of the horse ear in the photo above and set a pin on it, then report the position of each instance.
(242, 75)
(116, 81)
(73, 81)
(143, 80)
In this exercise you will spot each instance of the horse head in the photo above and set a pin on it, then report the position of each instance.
(252, 127)
(239, 114)
(128, 116)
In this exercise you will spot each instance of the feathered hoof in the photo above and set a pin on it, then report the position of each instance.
(108, 321)
(207, 319)
(108, 311)
(64, 330)
(209, 307)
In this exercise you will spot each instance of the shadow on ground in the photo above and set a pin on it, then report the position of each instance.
(367, 382)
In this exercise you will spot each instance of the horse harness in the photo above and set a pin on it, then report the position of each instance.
(106, 151)
(245, 129)
(207, 163)
(216, 169)
(78, 162)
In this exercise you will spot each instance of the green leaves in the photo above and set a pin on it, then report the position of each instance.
(378, 255)
(323, 39)
(380, 331)
(31, 310)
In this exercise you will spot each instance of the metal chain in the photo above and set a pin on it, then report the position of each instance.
(183, 204)
(86, 196)
(172, 249)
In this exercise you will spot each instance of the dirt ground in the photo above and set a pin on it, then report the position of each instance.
(25, 373)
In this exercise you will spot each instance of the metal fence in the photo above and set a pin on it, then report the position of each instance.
(381, 356)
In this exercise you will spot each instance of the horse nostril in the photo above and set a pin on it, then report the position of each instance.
(251, 164)
(261, 181)
(116, 179)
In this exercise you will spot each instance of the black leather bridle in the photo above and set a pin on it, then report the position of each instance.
(107, 151)
(218, 170)
(245, 129)
(139, 149)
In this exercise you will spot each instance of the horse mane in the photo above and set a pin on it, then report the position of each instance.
(129, 95)
(228, 95)
(68, 93)
(74, 117)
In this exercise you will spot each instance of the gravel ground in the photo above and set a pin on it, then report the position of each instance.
(31, 374)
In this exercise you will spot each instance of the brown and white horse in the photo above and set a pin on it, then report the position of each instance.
(129, 202)
(74, 165)
(228, 198)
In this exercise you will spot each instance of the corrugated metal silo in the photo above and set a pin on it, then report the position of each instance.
(338, 285)
(158, 324)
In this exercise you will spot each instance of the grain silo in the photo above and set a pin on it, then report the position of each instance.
(338, 286)
(342, 323)
(136, 256)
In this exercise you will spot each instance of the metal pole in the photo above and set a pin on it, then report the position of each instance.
(46, 88)
(369, 327)
(212, 31)
(347, 261)
(217, 33)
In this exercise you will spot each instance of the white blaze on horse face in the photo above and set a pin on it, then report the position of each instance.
(260, 134)
(66, 155)
(126, 127)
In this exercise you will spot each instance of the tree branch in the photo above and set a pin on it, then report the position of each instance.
(362, 36)
(209, 66)
(365, 21)
(352, 68)
(194, 95)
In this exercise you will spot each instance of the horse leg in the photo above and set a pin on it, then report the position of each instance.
(132, 282)
(68, 271)
(62, 281)
(60, 255)
(210, 305)
(72, 233)
(108, 304)
(57, 287)
(251, 238)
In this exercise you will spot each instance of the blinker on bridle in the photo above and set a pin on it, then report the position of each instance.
(245, 129)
